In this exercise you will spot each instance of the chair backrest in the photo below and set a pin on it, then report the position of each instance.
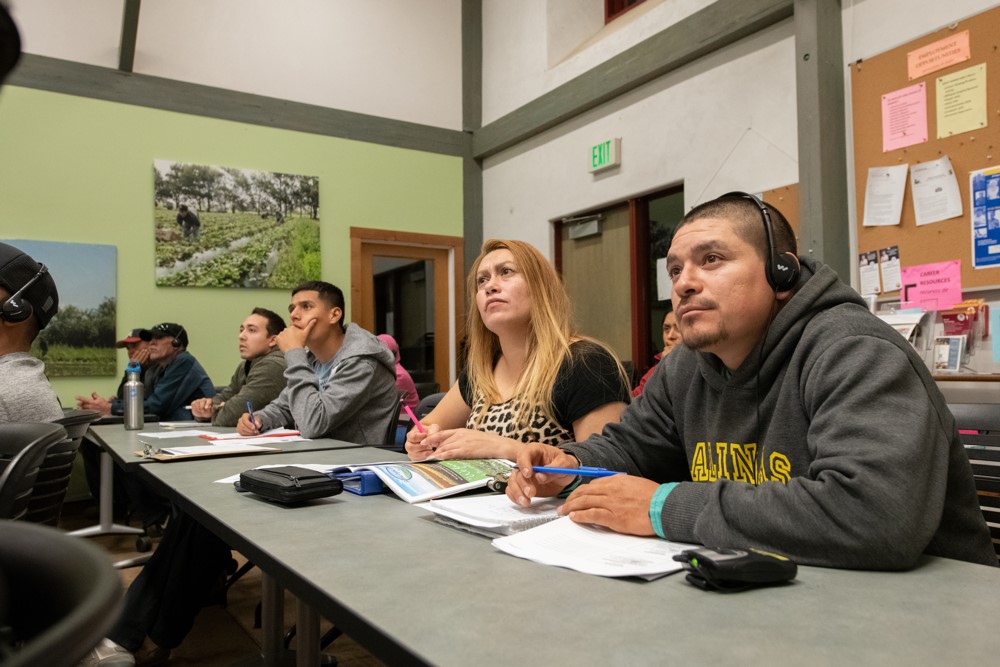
(426, 388)
(976, 416)
(63, 595)
(22, 449)
(390, 435)
(984, 455)
(428, 403)
(46, 502)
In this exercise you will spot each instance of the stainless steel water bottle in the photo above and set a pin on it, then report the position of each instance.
(133, 397)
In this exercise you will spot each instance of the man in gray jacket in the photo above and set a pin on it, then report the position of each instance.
(791, 420)
(343, 386)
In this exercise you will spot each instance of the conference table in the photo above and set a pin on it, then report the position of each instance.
(417, 592)
(119, 446)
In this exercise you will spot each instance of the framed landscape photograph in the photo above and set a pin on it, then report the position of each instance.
(228, 227)
(80, 340)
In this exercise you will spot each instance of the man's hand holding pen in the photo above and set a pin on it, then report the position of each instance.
(525, 484)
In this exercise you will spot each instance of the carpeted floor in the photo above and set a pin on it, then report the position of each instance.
(221, 636)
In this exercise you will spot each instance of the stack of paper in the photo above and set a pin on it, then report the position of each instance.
(594, 550)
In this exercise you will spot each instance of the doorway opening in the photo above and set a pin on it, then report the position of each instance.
(410, 286)
(608, 260)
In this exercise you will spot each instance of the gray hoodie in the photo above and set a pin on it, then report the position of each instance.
(359, 400)
(855, 461)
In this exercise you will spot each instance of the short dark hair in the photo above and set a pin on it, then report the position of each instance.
(748, 222)
(329, 293)
(275, 323)
(182, 208)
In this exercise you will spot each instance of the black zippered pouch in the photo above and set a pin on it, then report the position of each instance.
(289, 484)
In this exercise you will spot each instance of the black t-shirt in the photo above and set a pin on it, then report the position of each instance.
(587, 379)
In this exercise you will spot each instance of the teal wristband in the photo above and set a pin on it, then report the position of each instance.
(656, 507)
(571, 487)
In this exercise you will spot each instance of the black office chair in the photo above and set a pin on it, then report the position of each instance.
(426, 388)
(389, 441)
(982, 417)
(428, 403)
(46, 502)
(22, 450)
(62, 596)
(983, 449)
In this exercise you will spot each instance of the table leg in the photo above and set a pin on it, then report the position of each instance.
(272, 617)
(106, 526)
(307, 636)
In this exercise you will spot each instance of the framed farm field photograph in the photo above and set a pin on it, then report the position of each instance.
(80, 339)
(229, 227)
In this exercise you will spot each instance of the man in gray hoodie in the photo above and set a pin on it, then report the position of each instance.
(343, 386)
(791, 420)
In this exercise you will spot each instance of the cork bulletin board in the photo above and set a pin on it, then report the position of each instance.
(786, 200)
(968, 151)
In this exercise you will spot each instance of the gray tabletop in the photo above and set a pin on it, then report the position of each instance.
(122, 444)
(415, 591)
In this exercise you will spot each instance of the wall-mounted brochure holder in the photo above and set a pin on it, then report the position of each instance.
(914, 327)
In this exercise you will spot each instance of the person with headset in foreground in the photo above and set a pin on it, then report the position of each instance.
(792, 420)
(28, 301)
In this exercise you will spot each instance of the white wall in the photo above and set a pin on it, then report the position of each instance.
(399, 59)
(706, 125)
(522, 38)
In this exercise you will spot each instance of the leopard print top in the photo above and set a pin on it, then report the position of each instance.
(585, 382)
(499, 419)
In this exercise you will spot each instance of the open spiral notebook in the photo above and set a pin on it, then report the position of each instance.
(493, 515)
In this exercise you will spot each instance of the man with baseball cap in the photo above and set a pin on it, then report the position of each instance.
(136, 345)
(174, 377)
(28, 301)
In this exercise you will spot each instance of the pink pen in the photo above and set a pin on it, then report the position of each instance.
(420, 427)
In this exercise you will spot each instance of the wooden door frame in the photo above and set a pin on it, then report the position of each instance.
(416, 246)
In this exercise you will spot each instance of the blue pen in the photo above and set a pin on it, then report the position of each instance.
(582, 471)
(250, 412)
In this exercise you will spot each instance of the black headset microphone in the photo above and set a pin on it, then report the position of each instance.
(174, 341)
(782, 272)
(16, 308)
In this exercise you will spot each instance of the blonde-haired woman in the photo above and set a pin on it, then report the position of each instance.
(528, 378)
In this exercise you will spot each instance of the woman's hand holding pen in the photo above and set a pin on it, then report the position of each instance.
(463, 443)
(525, 484)
(248, 424)
(418, 447)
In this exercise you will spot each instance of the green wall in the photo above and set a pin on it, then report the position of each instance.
(80, 170)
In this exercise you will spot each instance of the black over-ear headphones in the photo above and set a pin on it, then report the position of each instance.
(16, 308)
(781, 269)
(174, 341)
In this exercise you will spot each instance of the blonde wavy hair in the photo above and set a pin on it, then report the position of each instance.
(550, 332)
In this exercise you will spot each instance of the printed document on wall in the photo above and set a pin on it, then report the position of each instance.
(868, 272)
(984, 191)
(935, 191)
(888, 261)
(884, 195)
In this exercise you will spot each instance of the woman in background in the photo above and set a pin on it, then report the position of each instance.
(528, 377)
(671, 339)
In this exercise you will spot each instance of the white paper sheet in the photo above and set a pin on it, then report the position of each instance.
(228, 448)
(884, 195)
(935, 191)
(594, 550)
(189, 433)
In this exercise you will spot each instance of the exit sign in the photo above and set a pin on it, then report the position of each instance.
(605, 155)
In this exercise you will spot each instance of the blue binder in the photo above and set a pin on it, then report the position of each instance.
(360, 482)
